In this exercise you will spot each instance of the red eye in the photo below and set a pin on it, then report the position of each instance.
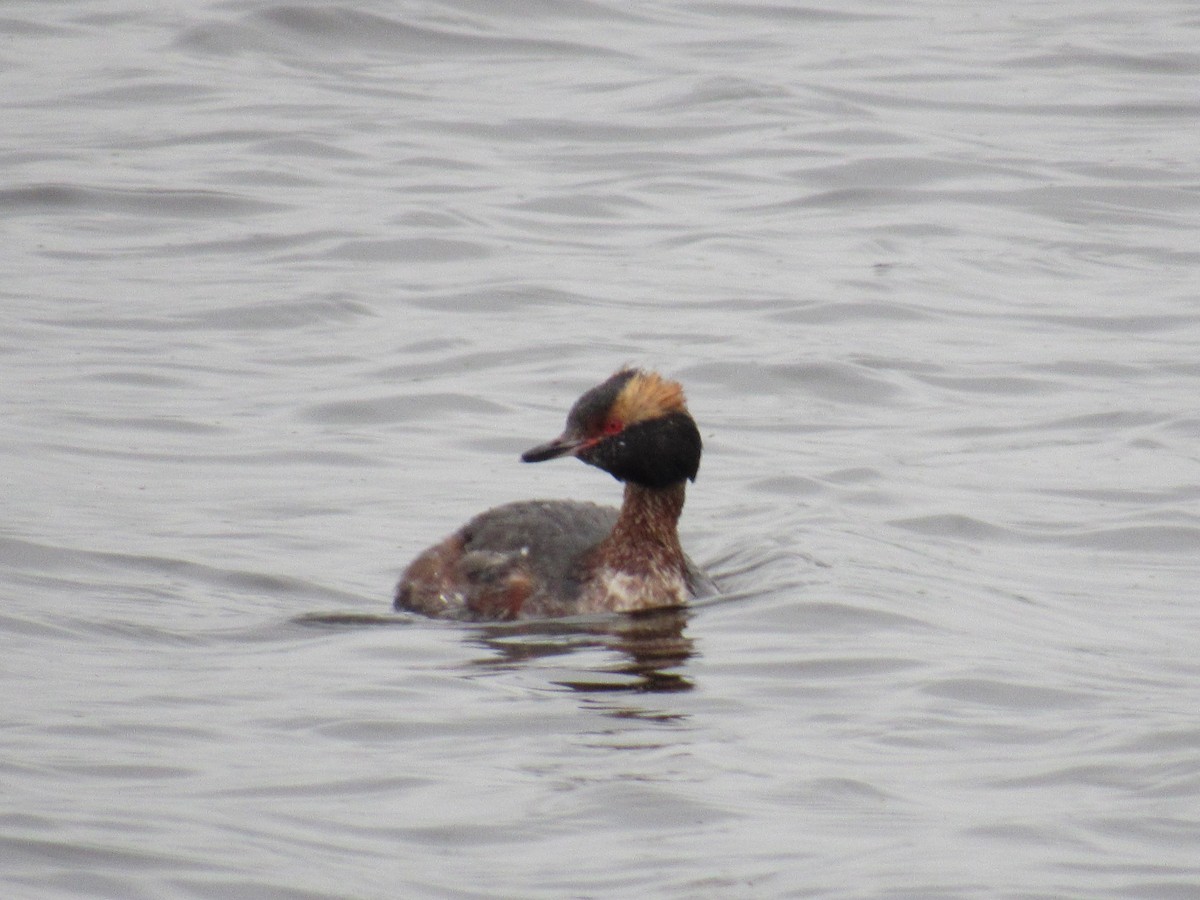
(611, 427)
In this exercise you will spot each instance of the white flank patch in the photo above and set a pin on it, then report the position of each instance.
(622, 592)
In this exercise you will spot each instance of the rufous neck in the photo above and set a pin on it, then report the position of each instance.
(647, 528)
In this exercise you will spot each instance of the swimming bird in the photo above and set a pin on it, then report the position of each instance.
(544, 558)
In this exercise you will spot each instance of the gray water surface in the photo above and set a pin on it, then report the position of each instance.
(289, 286)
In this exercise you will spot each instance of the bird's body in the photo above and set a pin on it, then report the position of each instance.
(545, 558)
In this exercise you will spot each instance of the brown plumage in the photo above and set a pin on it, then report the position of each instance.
(558, 557)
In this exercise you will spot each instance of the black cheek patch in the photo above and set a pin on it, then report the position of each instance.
(656, 453)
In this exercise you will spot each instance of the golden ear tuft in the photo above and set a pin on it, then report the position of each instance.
(647, 395)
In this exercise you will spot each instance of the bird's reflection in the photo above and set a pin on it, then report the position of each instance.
(648, 644)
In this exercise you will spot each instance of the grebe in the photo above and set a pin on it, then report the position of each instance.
(544, 558)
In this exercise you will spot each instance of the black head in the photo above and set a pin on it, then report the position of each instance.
(635, 426)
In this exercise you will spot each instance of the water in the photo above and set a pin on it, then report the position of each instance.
(289, 286)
